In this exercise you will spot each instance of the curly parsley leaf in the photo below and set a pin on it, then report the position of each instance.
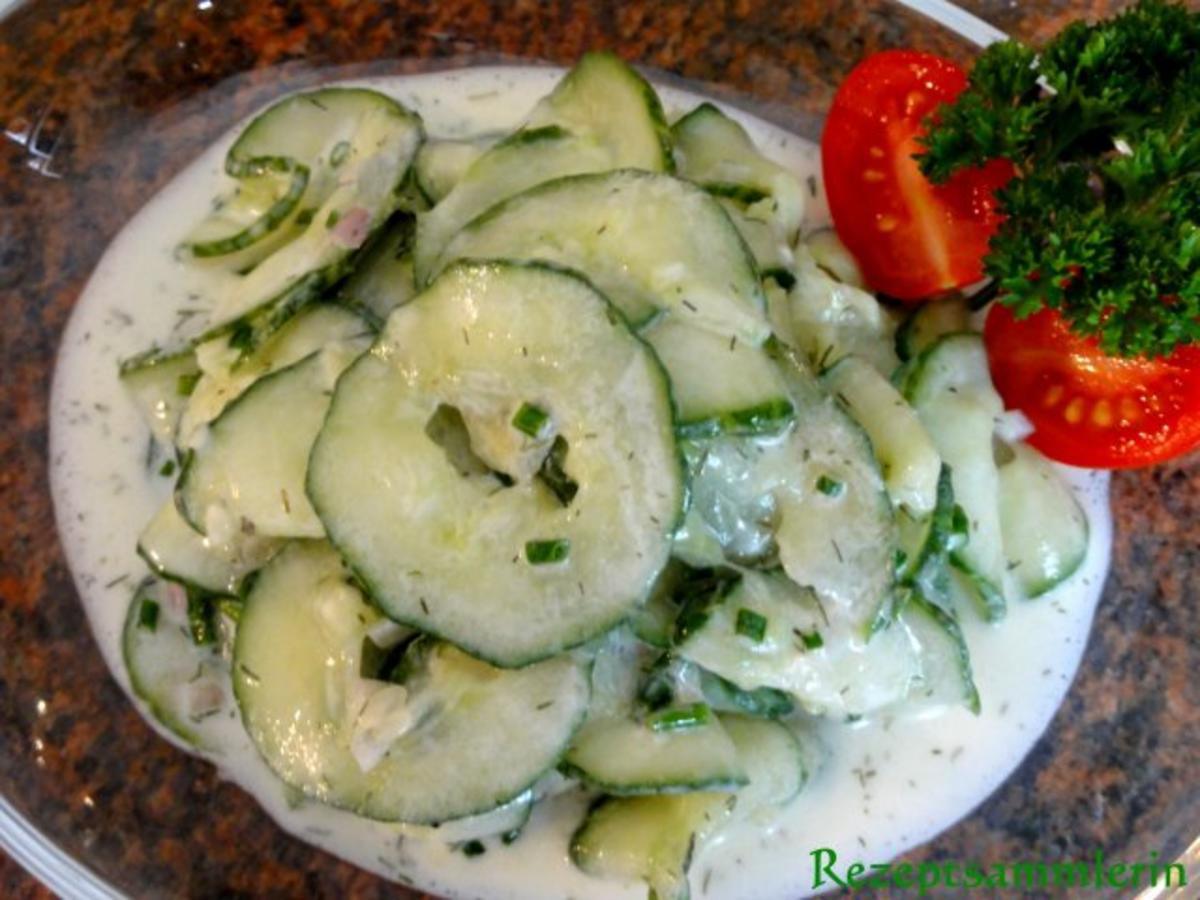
(1103, 127)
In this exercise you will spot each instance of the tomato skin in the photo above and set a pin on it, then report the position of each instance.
(1088, 408)
(912, 239)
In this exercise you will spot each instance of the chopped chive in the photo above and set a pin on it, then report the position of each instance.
(553, 473)
(242, 337)
(167, 469)
(830, 487)
(540, 553)
(333, 218)
(681, 718)
(148, 615)
(473, 848)
(186, 383)
(339, 153)
(305, 216)
(200, 618)
(531, 420)
(899, 560)
(751, 624)
(811, 640)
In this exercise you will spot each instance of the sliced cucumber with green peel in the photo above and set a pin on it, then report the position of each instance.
(359, 145)
(384, 278)
(161, 384)
(696, 543)
(951, 390)
(226, 372)
(772, 253)
(721, 385)
(455, 738)
(929, 322)
(909, 462)
(503, 822)
(651, 839)
(775, 760)
(181, 682)
(945, 659)
(621, 756)
(623, 231)
(826, 249)
(441, 164)
(605, 99)
(829, 669)
(236, 480)
(714, 151)
(1045, 530)
(448, 552)
(519, 162)
(830, 319)
(213, 564)
(257, 209)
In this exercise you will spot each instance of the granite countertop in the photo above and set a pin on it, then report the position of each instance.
(89, 72)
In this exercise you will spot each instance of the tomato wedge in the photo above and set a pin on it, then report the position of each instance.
(1088, 408)
(912, 239)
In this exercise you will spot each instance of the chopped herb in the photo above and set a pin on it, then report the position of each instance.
(681, 718)
(473, 848)
(305, 216)
(811, 640)
(167, 469)
(542, 553)
(700, 590)
(751, 624)
(333, 218)
(554, 475)
(339, 154)
(531, 420)
(186, 383)
(148, 615)
(830, 487)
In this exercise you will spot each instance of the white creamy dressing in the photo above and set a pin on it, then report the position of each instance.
(886, 785)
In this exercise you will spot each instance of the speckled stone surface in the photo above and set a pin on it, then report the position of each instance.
(101, 102)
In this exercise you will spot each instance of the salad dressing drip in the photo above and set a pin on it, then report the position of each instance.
(887, 784)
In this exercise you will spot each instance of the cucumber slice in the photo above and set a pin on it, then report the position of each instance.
(160, 384)
(212, 564)
(448, 553)
(772, 253)
(775, 760)
(256, 210)
(696, 543)
(1045, 530)
(651, 839)
(721, 386)
(235, 480)
(929, 322)
(440, 165)
(945, 659)
(181, 683)
(926, 544)
(951, 390)
(384, 279)
(604, 99)
(830, 254)
(504, 821)
(227, 372)
(907, 457)
(519, 162)
(830, 319)
(654, 620)
(828, 668)
(622, 230)
(624, 757)
(714, 151)
(456, 738)
(376, 139)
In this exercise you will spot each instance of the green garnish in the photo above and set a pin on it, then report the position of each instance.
(751, 624)
(531, 420)
(553, 473)
(830, 487)
(473, 848)
(698, 592)
(1103, 127)
(167, 469)
(185, 385)
(681, 718)
(811, 640)
(305, 216)
(339, 153)
(541, 553)
(333, 218)
(148, 615)
(200, 618)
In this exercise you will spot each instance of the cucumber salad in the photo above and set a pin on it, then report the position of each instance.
(536, 502)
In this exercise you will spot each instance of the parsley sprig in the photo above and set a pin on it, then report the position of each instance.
(1103, 220)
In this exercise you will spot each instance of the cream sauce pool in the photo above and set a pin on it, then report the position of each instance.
(886, 786)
